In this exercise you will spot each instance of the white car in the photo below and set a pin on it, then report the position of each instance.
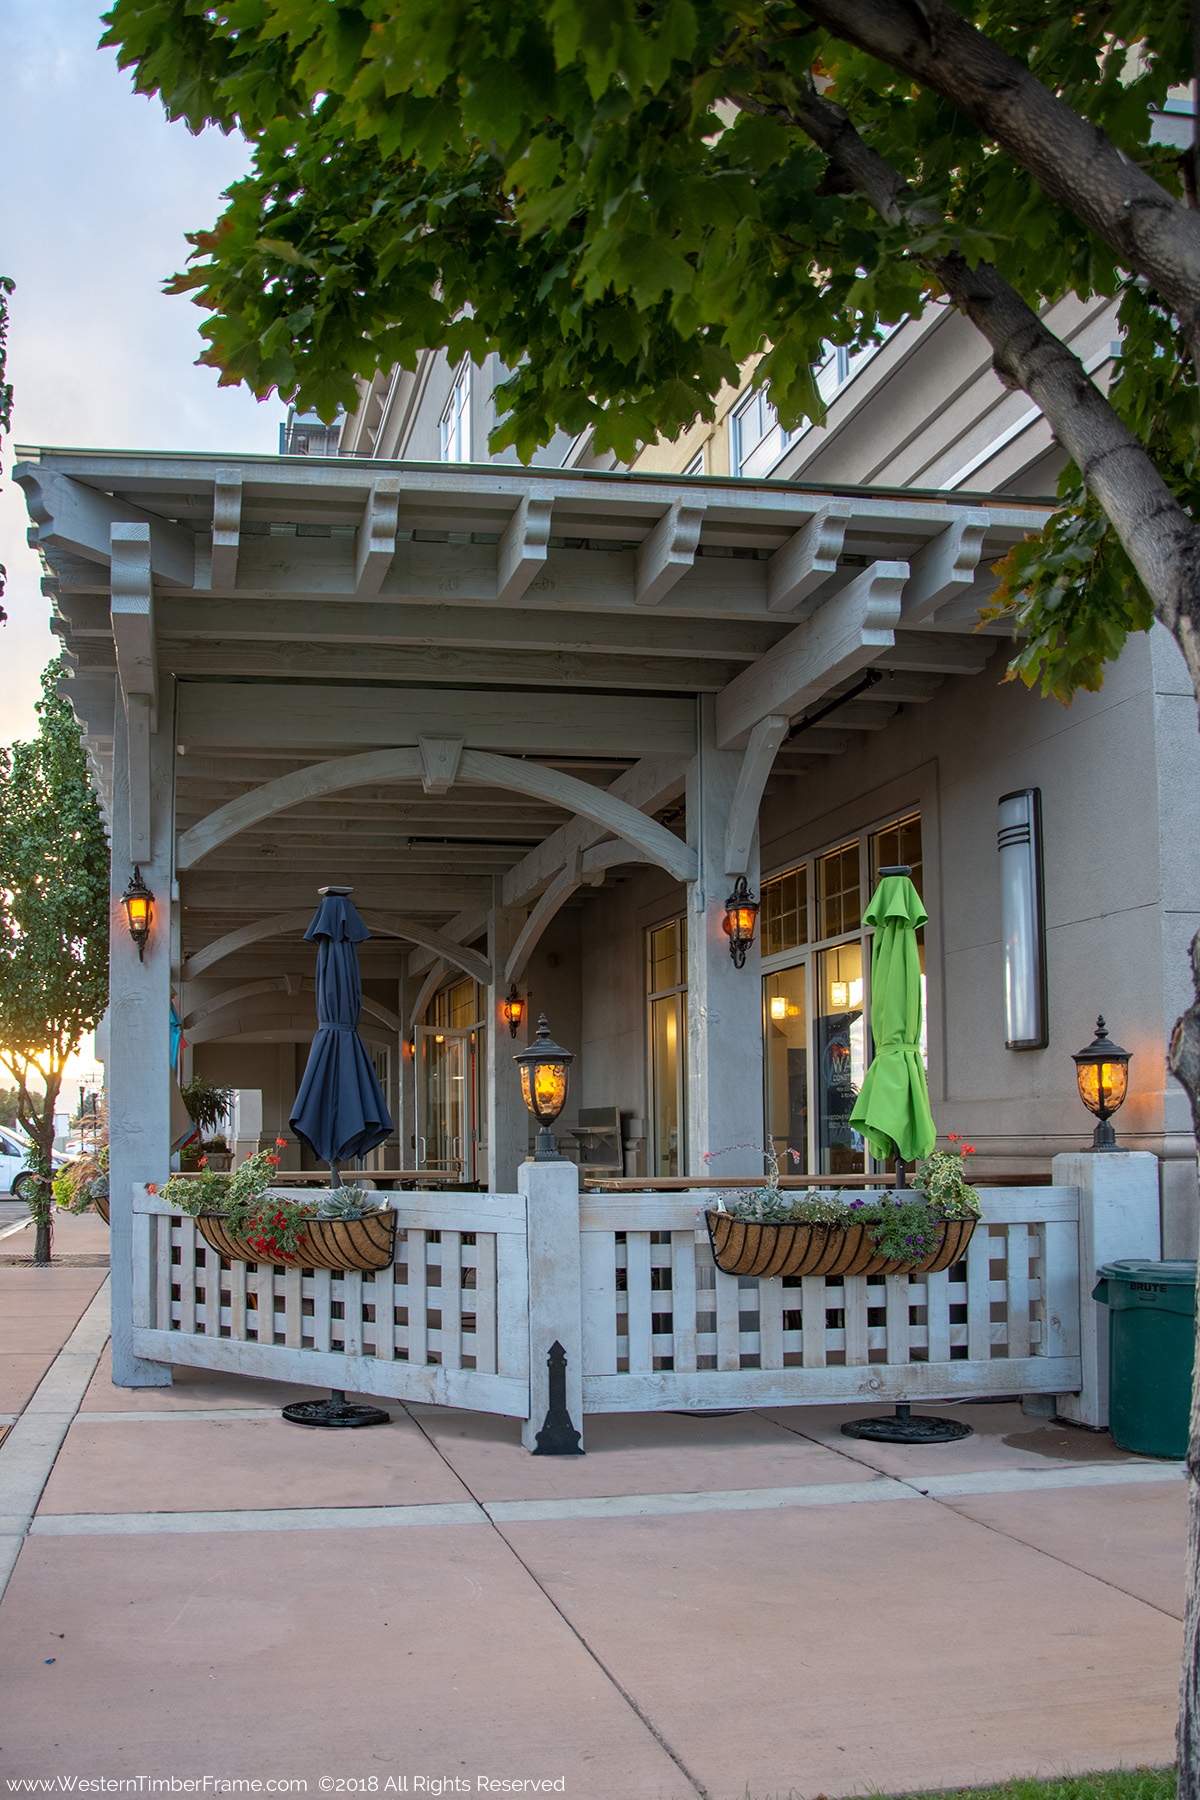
(16, 1177)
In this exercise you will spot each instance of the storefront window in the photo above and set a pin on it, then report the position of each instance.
(816, 956)
(451, 1106)
(785, 1026)
(666, 978)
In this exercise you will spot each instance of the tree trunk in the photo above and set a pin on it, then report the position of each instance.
(41, 1250)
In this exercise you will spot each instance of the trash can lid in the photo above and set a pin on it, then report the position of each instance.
(1181, 1273)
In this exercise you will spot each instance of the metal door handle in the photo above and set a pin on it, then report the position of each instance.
(421, 1152)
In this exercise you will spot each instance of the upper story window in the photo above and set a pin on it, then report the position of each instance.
(758, 439)
(456, 418)
(696, 466)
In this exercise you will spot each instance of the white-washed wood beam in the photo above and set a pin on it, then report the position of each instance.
(614, 854)
(244, 896)
(844, 636)
(283, 1027)
(268, 990)
(522, 550)
(439, 763)
(468, 924)
(931, 653)
(69, 514)
(944, 568)
(668, 553)
(276, 796)
(808, 559)
(651, 783)
(757, 761)
(139, 736)
(392, 624)
(215, 714)
(598, 804)
(226, 528)
(132, 607)
(555, 896)
(377, 535)
(427, 990)
(381, 924)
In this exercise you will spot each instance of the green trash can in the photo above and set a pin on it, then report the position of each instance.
(1151, 1348)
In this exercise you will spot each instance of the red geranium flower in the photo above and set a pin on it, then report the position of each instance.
(203, 1163)
(968, 1149)
(152, 1187)
(281, 1142)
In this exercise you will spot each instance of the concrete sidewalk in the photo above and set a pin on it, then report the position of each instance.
(701, 1605)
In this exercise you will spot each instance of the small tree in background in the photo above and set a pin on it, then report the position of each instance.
(53, 923)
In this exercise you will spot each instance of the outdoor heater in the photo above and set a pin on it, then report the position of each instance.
(741, 914)
(138, 902)
(1102, 1071)
(545, 1073)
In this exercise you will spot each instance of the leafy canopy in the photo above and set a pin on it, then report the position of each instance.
(618, 200)
(53, 900)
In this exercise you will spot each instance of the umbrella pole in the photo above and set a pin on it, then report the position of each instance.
(336, 1411)
(901, 1427)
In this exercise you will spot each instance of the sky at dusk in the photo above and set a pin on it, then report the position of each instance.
(99, 192)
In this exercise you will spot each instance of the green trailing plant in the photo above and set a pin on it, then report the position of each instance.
(903, 1226)
(272, 1223)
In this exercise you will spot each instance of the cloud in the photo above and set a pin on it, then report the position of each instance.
(100, 192)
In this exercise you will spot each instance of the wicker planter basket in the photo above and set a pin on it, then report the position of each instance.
(101, 1207)
(365, 1244)
(749, 1247)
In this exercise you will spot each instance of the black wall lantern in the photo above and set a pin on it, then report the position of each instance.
(1102, 1071)
(138, 902)
(513, 1010)
(741, 915)
(545, 1075)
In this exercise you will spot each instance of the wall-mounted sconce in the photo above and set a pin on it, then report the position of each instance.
(138, 902)
(513, 1010)
(741, 914)
(1023, 920)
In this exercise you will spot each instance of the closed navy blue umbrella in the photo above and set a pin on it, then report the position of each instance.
(340, 1111)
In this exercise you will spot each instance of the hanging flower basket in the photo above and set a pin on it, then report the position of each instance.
(364, 1244)
(101, 1206)
(763, 1248)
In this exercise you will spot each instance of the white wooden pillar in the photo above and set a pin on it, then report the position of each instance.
(139, 1017)
(508, 1119)
(551, 1191)
(1118, 1218)
(725, 1033)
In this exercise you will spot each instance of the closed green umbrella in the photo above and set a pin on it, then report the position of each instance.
(892, 1109)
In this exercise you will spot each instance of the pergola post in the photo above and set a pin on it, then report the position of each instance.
(139, 1016)
(725, 1056)
(508, 1121)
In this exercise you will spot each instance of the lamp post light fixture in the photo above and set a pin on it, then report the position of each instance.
(1102, 1071)
(513, 1010)
(545, 1074)
(138, 902)
(741, 915)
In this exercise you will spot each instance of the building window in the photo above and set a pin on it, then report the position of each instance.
(451, 1109)
(666, 990)
(758, 439)
(816, 958)
(456, 419)
(696, 466)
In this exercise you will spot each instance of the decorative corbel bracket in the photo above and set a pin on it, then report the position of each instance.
(522, 549)
(668, 553)
(796, 571)
(377, 536)
(137, 669)
(227, 528)
(944, 569)
(439, 763)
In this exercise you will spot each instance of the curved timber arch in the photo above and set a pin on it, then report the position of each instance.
(277, 1028)
(480, 767)
(380, 924)
(279, 984)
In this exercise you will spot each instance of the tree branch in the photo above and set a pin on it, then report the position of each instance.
(1158, 535)
(1154, 234)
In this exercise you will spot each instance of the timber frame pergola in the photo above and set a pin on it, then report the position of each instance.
(470, 693)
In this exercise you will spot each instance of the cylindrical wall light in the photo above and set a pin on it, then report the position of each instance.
(1023, 920)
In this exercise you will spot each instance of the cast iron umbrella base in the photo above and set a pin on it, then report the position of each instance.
(902, 1428)
(336, 1412)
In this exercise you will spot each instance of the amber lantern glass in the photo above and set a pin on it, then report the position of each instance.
(138, 902)
(741, 916)
(1102, 1071)
(545, 1075)
(513, 1010)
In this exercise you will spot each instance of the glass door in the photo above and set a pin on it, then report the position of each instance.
(449, 1101)
(785, 1036)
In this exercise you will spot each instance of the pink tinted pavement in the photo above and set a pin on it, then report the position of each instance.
(717, 1606)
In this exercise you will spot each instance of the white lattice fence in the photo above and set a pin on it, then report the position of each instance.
(446, 1322)
(663, 1327)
